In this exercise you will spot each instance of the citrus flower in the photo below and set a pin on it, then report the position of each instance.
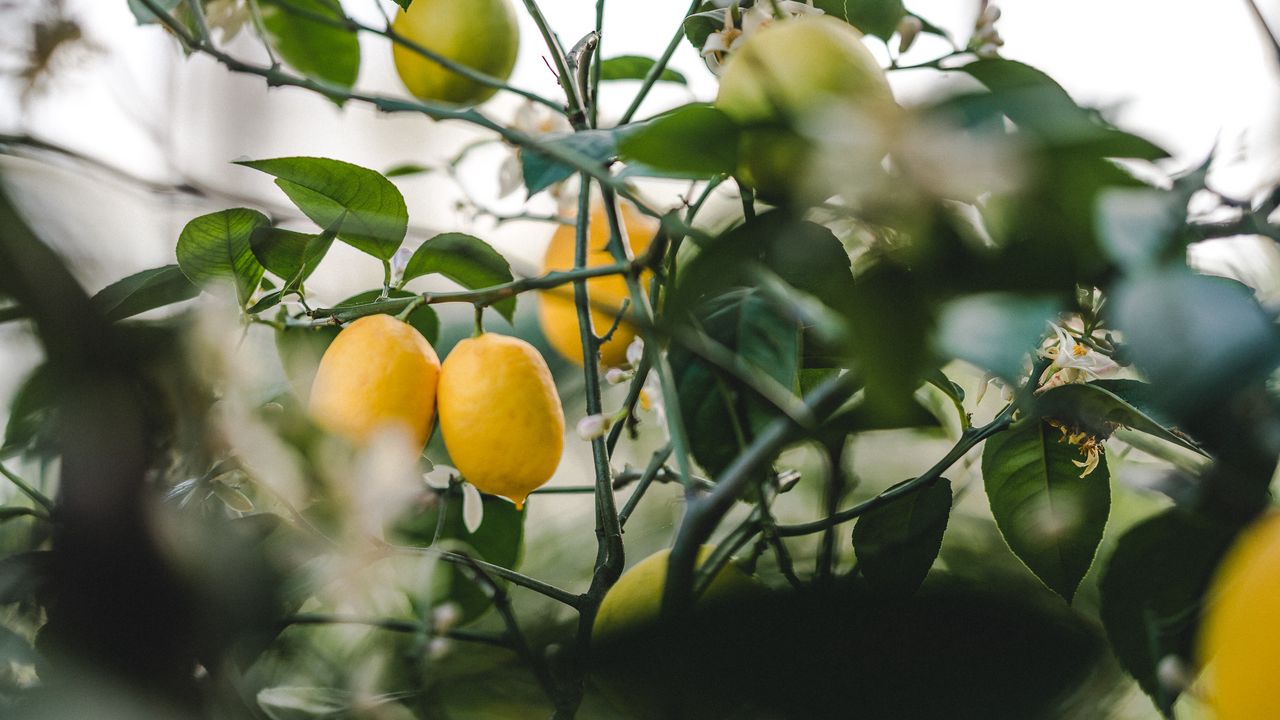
(229, 16)
(986, 41)
(534, 120)
(1073, 361)
(719, 44)
(593, 426)
(1090, 446)
(441, 477)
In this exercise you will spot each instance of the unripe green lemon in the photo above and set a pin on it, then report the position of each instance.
(1241, 633)
(790, 72)
(378, 372)
(480, 34)
(634, 603)
(557, 312)
(500, 415)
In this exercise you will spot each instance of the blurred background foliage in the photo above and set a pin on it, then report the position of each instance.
(214, 555)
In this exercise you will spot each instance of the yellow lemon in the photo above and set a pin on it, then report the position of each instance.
(557, 313)
(788, 73)
(500, 415)
(479, 34)
(635, 601)
(1241, 634)
(378, 372)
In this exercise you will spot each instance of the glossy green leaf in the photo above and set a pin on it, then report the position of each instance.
(699, 26)
(499, 540)
(215, 248)
(466, 260)
(1153, 589)
(323, 189)
(310, 37)
(725, 412)
(692, 141)
(143, 291)
(995, 331)
(407, 169)
(290, 256)
(635, 67)
(1051, 517)
(873, 17)
(540, 171)
(897, 542)
(1095, 409)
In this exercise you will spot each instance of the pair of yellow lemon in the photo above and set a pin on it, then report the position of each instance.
(498, 407)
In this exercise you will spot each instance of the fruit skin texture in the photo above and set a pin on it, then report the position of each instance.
(379, 371)
(500, 415)
(557, 313)
(786, 73)
(1241, 634)
(480, 34)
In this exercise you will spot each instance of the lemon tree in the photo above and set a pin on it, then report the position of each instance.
(882, 395)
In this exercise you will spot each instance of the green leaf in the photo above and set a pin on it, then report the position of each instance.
(897, 542)
(406, 169)
(215, 248)
(1095, 409)
(1051, 517)
(1197, 338)
(466, 260)
(143, 15)
(147, 290)
(323, 189)
(635, 67)
(873, 17)
(693, 141)
(1040, 106)
(316, 48)
(266, 302)
(290, 256)
(541, 171)
(13, 513)
(31, 427)
(1153, 589)
(499, 540)
(423, 318)
(725, 412)
(995, 331)
(699, 25)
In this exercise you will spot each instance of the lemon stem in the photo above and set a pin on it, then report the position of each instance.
(479, 328)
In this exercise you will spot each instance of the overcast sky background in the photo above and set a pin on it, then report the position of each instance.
(1189, 74)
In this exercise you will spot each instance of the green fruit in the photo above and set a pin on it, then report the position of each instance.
(480, 34)
(786, 75)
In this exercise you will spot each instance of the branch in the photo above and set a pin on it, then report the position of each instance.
(28, 490)
(397, 626)
(704, 514)
(524, 581)
(655, 72)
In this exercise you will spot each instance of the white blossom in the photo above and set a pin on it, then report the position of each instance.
(593, 426)
(472, 507)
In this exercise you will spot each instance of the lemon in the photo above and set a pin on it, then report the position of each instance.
(500, 415)
(788, 73)
(378, 372)
(634, 603)
(480, 34)
(1241, 634)
(557, 313)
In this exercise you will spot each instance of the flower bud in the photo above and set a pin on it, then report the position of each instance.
(446, 617)
(593, 426)
(616, 376)
(908, 30)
